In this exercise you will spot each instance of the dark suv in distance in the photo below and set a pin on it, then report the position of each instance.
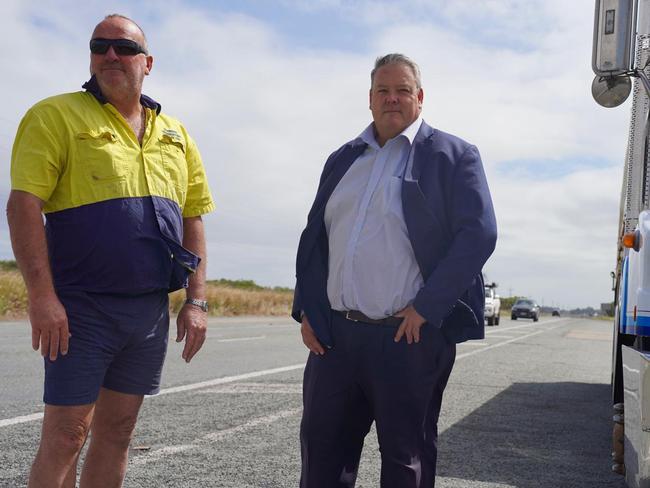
(525, 308)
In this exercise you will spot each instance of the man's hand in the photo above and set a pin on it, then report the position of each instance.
(49, 326)
(410, 326)
(46, 313)
(309, 338)
(192, 324)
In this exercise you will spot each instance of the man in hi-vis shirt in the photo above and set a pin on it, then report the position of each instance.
(123, 188)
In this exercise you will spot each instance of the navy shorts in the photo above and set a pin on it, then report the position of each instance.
(118, 342)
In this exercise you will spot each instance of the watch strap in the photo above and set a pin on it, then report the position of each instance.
(202, 304)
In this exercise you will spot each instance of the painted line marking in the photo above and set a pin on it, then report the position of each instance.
(159, 453)
(229, 379)
(21, 419)
(221, 434)
(508, 330)
(193, 386)
(269, 419)
(227, 327)
(474, 344)
(213, 437)
(212, 327)
(256, 374)
(238, 339)
(541, 331)
(257, 388)
(527, 325)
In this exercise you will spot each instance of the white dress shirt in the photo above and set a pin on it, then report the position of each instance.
(372, 267)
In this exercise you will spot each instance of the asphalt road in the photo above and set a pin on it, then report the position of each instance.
(528, 407)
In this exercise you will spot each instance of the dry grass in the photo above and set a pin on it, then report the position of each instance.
(13, 295)
(225, 301)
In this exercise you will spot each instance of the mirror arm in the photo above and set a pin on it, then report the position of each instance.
(639, 73)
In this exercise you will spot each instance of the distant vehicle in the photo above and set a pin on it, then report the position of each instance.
(555, 313)
(525, 308)
(492, 308)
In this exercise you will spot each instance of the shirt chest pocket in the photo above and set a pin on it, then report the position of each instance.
(172, 154)
(391, 199)
(101, 155)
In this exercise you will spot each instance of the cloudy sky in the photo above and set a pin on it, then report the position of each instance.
(269, 88)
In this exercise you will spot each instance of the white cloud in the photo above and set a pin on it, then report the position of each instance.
(266, 112)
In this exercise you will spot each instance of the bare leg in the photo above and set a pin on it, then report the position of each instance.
(71, 478)
(111, 432)
(63, 435)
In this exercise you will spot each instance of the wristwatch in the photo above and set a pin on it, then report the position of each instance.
(202, 304)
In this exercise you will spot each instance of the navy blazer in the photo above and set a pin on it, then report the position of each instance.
(451, 225)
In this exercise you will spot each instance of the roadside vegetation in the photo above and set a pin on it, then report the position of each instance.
(227, 297)
(13, 295)
(507, 303)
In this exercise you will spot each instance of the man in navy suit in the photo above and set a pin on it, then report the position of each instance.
(388, 281)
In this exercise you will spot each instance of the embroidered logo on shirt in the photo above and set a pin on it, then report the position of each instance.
(172, 134)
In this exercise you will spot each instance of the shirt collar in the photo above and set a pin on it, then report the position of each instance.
(368, 135)
(92, 87)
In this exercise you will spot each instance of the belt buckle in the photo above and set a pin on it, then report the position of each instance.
(347, 316)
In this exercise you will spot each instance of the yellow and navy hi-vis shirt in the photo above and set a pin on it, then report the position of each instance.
(114, 209)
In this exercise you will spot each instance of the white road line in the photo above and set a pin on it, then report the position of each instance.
(212, 328)
(257, 388)
(541, 331)
(221, 434)
(213, 437)
(237, 339)
(220, 327)
(498, 334)
(176, 389)
(474, 343)
(528, 325)
(159, 453)
(21, 419)
(508, 330)
(269, 419)
(230, 379)
(256, 374)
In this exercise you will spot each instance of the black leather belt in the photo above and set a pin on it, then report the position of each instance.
(357, 316)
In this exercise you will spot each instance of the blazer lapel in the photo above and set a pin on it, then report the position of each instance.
(315, 224)
(345, 160)
(413, 166)
(418, 216)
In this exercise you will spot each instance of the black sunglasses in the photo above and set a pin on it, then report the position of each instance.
(122, 47)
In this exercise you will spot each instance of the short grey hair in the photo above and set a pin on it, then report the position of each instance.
(397, 58)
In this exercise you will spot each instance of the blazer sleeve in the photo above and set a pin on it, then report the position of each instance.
(473, 239)
(296, 309)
